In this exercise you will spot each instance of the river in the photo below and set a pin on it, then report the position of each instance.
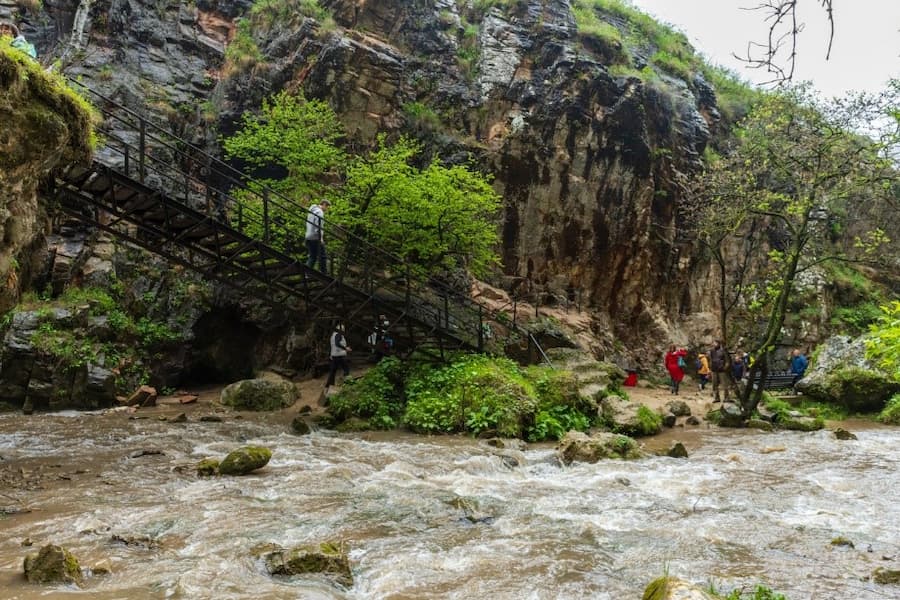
(745, 507)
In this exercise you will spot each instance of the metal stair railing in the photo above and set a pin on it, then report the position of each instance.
(226, 200)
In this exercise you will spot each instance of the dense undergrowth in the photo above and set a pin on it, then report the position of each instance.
(473, 394)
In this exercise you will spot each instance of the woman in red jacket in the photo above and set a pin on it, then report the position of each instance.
(674, 362)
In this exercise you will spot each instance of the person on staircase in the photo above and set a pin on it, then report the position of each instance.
(9, 30)
(315, 240)
(338, 355)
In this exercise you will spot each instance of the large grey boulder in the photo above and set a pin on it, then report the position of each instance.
(842, 375)
(265, 393)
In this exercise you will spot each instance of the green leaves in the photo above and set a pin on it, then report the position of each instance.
(883, 343)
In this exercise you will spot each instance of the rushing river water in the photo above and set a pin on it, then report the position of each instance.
(745, 507)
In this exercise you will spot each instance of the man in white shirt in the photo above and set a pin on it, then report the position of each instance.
(315, 241)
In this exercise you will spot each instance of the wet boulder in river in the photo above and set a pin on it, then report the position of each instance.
(578, 446)
(327, 558)
(245, 460)
(672, 588)
(53, 564)
(264, 393)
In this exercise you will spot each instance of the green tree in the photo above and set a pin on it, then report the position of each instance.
(437, 218)
(800, 168)
(883, 343)
(301, 136)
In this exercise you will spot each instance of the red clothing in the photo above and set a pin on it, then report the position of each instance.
(675, 372)
(631, 380)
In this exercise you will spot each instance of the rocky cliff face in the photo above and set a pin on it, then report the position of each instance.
(590, 158)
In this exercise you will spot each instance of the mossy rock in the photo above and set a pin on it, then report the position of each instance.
(886, 576)
(856, 388)
(353, 424)
(245, 460)
(208, 467)
(261, 394)
(629, 418)
(760, 424)
(844, 435)
(672, 588)
(53, 564)
(327, 558)
(794, 422)
(300, 426)
(578, 446)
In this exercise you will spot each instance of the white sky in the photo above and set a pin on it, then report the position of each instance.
(865, 53)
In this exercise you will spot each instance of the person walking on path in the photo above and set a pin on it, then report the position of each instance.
(799, 363)
(674, 362)
(718, 364)
(702, 371)
(338, 355)
(315, 240)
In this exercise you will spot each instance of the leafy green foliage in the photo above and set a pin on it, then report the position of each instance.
(297, 134)
(377, 396)
(242, 52)
(883, 343)
(438, 217)
(471, 394)
(891, 413)
(474, 393)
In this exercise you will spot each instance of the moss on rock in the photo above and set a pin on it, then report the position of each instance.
(207, 467)
(260, 394)
(328, 558)
(245, 460)
(53, 564)
(578, 446)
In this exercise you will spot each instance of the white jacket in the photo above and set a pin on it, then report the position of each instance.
(315, 219)
(338, 348)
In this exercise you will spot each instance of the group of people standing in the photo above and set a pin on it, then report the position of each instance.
(722, 370)
(711, 366)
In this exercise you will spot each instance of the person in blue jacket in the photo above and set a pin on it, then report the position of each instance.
(799, 363)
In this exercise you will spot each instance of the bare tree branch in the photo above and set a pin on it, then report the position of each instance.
(784, 31)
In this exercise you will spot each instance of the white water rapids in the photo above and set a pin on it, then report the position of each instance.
(746, 507)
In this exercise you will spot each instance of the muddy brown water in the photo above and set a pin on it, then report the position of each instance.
(744, 507)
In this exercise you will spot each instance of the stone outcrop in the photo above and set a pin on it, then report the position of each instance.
(326, 558)
(43, 125)
(268, 393)
(842, 375)
(243, 461)
(672, 588)
(53, 564)
(629, 418)
(580, 447)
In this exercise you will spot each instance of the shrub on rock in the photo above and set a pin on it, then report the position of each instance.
(672, 588)
(245, 460)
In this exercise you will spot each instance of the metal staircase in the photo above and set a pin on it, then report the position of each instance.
(161, 193)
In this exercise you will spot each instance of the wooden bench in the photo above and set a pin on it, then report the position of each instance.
(776, 381)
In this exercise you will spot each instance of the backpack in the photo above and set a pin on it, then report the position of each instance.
(717, 357)
(698, 365)
(681, 362)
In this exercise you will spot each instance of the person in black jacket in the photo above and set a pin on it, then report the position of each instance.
(719, 365)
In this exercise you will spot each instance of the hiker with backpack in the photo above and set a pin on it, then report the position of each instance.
(338, 355)
(719, 366)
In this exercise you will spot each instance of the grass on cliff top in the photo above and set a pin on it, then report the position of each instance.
(26, 84)
(619, 24)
